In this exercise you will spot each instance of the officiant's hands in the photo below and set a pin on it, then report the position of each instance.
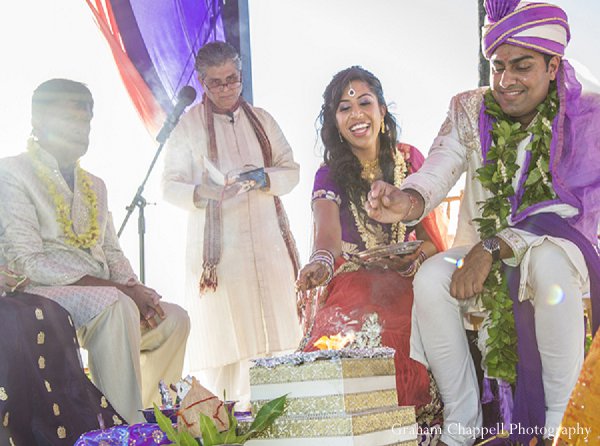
(209, 190)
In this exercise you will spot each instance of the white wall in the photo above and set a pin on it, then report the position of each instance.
(423, 51)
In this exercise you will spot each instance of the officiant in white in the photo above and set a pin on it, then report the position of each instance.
(241, 257)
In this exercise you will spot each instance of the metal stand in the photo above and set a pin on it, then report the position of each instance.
(140, 203)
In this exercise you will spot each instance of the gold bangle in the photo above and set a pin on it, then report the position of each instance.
(413, 202)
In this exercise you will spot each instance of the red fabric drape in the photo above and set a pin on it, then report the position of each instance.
(148, 108)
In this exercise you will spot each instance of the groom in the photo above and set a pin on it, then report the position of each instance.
(526, 233)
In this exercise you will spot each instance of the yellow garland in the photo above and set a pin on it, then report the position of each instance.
(377, 236)
(63, 210)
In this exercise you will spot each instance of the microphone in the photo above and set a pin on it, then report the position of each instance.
(230, 114)
(185, 97)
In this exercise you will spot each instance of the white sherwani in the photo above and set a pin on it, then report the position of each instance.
(438, 338)
(33, 243)
(252, 311)
(107, 320)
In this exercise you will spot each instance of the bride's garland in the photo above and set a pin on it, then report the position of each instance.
(497, 176)
(376, 236)
(63, 210)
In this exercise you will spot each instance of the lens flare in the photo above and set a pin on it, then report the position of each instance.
(555, 295)
(459, 263)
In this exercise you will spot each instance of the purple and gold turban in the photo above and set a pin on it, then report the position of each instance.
(538, 26)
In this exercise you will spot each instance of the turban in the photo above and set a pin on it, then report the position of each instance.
(538, 26)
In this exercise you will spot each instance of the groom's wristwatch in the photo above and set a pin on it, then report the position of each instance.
(492, 245)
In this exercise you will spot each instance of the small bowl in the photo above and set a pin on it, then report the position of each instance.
(171, 414)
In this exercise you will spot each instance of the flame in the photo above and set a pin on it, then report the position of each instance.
(334, 342)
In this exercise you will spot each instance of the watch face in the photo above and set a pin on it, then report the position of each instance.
(492, 245)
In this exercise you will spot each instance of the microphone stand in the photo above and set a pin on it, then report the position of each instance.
(185, 97)
(140, 203)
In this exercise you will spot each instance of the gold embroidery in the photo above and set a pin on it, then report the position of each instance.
(61, 432)
(56, 409)
(350, 248)
(41, 338)
(48, 386)
(5, 421)
(465, 108)
(70, 320)
(347, 267)
(103, 403)
(42, 362)
(117, 421)
(373, 234)
(158, 436)
(10, 440)
(446, 127)
(3, 394)
(39, 314)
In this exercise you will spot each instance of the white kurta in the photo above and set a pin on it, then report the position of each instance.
(33, 244)
(252, 311)
(121, 356)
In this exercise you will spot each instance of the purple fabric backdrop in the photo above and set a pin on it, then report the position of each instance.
(162, 37)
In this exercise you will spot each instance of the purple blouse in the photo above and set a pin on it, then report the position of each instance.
(325, 188)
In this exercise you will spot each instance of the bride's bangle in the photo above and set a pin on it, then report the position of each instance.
(325, 258)
(413, 203)
(414, 266)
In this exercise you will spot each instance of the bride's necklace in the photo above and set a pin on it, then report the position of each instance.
(370, 170)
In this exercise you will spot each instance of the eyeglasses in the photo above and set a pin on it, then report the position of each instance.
(218, 86)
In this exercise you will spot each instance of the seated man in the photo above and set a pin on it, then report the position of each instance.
(55, 228)
(529, 146)
(45, 398)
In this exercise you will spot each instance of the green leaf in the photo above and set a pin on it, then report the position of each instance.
(533, 177)
(501, 357)
(165, 425)
(186, 439)
(210, 434)
(267, 414)
(231, 435)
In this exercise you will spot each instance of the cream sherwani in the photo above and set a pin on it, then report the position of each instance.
(547, 264)
(107, 320)
(252, 312)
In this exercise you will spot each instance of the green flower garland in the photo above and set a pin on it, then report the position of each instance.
(496, 176)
